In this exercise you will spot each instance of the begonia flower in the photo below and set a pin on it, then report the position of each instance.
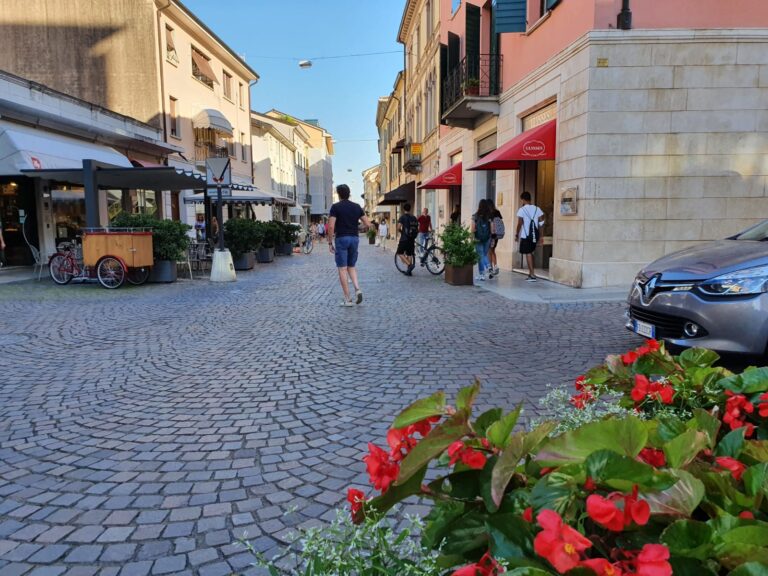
(558, 543)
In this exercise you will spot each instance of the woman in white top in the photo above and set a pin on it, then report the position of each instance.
(382, 232)
(530, 220)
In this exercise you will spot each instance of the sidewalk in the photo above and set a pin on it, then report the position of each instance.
(20, 274)
(512, 285)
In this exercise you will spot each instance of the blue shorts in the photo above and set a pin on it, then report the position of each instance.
(346, 251)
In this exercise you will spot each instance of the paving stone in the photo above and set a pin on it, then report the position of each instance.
(85, 554)
(118, 553)
(48, 554)
(169, 564)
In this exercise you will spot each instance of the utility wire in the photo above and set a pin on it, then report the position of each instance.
(326, 57)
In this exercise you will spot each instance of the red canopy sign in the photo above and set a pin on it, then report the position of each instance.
(446, 178)
(534, 144)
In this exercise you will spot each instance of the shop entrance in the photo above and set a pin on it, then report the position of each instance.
(18, 217)
(538, 178)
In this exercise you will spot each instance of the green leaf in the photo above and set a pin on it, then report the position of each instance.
(669, 428)
(467, 395)
(703, 420)
(467, 535)
(688, 538)
(550, 492)
(498, 433)
(731, 444)
(681, 499)
(698, 358)
(627, 437)
(682, 450)
(690, 567)
(397, 493)
(439, 520)
(751, 569)
(423, 408)
(442, 436)
(751, 381)
(485, 420)
(756, 449)
(622, 473)
(756, 535)
(520, 445)
(511, 536)
(756, 479)
(528, 571)
(734, 554)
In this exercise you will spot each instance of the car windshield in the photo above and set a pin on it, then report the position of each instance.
(758, 232)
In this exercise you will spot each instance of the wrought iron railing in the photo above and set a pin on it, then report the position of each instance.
(205, 151)
(476, 77)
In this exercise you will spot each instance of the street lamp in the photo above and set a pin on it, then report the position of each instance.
(305, 64)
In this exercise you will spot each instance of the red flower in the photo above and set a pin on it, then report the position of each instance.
(640, 391)
(486, 566)
(653, 457)
(736, 409)
(381, 469)
(762, 409)
(605, 512)
(630, 357)
(590, 485)
(733, 466)
(652, 561)
(468, 456)
(644, 388)
(746, 515)
(653, 345)
(558, 543)
(602, 567)
(581, 400)
(356, 499)
(528, 514)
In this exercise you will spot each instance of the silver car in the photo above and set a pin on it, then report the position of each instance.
(714, 295)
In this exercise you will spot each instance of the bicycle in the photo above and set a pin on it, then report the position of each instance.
(308, 244)
(430, 256)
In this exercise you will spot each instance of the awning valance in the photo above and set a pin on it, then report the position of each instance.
(295, 211)
(159, 178)
(404, 193)
(26, 148)
(210, 118)
(446, 178)
(259, 198)
(534, 144)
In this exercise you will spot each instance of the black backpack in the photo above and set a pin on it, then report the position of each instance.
(410, 228)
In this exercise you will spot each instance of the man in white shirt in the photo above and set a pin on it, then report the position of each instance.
(530, 220)
(383, 232)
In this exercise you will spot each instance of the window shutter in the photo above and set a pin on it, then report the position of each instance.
(511, 14)
(552, 3)
(443, 73)
(472, 41)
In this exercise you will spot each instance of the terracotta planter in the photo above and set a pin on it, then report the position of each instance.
(459, 275)
(265, 255)
(473, 90)
(244, 261)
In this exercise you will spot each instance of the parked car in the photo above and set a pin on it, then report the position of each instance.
(713, 295)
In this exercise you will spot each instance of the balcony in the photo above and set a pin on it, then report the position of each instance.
(412, 158)
(205, 151)
(471, 90)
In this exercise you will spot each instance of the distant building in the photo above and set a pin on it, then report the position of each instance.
(371, 188)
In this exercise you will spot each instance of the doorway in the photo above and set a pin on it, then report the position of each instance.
(18, 218)
(538, 178)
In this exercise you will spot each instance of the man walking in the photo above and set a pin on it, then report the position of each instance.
(408, 227)
(425, 227)
(530, 219)
(342, 225)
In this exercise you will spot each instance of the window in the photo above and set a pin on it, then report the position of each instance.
(226, 81)
(201, 68)
(230, 145)
(170, 46)
(173, 116)
(241, 95)
(243, 147)
(428, 15)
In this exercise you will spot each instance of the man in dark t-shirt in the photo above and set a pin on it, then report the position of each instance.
(344, 239)
(408, 227)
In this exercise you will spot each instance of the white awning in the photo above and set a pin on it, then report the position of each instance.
(25, 148)
(295, 211)
(210, 118)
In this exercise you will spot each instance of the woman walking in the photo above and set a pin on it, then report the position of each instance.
(497, 224)
(383, 232)
(482, 228)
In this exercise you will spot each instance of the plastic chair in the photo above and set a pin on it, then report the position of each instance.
(38, 261)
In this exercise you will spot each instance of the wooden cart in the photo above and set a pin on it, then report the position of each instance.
(118, 254)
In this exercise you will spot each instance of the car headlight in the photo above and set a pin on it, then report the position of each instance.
(749, 281)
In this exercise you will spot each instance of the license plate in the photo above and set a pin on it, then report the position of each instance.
(645, 329)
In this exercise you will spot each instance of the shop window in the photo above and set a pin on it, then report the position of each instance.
(226, 80)
(201, 68)
(170, 46)
(68, 206)
(173, 117)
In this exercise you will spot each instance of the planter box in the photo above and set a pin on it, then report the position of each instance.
(244, 261)
(284, 249)
(265, 255)
(459, 275)
(163, 271)
(372, 240)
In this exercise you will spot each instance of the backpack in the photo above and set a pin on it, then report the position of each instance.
(410, 228)
(533, 230)
(482, 229)
(498, 223)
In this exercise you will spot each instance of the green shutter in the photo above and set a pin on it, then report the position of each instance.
(552, 3)
(510, 15)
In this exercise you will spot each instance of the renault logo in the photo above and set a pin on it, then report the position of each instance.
(648, 289)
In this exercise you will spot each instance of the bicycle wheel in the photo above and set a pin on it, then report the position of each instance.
(308, 245)
(400, 265)
(137, 276)
(110, 272)
(61, 269)
(435, 260)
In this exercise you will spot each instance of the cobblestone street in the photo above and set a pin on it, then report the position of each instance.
(144, 430)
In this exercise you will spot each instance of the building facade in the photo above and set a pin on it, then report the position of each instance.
(371, 188)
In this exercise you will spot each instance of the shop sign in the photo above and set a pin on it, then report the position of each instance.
(36, 164)
(534, 148)
(416, 149)
(541, 116)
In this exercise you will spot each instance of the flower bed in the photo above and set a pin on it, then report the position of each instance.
(673, 480)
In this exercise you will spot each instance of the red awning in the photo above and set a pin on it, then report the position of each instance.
(534, 144)
(446, 178)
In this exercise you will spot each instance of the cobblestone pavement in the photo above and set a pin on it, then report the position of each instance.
(143, 430)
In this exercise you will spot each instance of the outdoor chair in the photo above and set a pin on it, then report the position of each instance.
(39, 263)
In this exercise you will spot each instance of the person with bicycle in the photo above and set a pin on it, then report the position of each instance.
(408, 226)
(425, 227)
(344, 216)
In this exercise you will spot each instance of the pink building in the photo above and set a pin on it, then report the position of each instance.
(635, 142)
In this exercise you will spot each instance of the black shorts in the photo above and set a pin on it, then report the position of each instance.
(527, 246)
(494, 242)
(406, 247)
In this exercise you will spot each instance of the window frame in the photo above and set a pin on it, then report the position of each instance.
(226, 84)
(202, 76)
(171, 54)
(174, 126)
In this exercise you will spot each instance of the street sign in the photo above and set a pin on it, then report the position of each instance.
(218, 173)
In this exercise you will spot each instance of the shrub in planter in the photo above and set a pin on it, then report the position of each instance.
(460, 254)
(371, 233)
(676, 484)
(242, 237)
(270, 237)
(289, 233)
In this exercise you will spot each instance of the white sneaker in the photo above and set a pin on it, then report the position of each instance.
(480, 277)
(346, 304)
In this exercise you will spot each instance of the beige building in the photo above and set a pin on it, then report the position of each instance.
(396, 185)
(152, 60)
(371, 188)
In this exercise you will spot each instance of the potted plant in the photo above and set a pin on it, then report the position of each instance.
(242, 237)
(270, 236)
(460, 255)
(289, 234)
(371, 233)
(472, 86)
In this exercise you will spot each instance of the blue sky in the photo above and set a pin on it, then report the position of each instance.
(341, 93)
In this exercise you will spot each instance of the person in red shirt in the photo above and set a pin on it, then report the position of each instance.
(425, 227)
